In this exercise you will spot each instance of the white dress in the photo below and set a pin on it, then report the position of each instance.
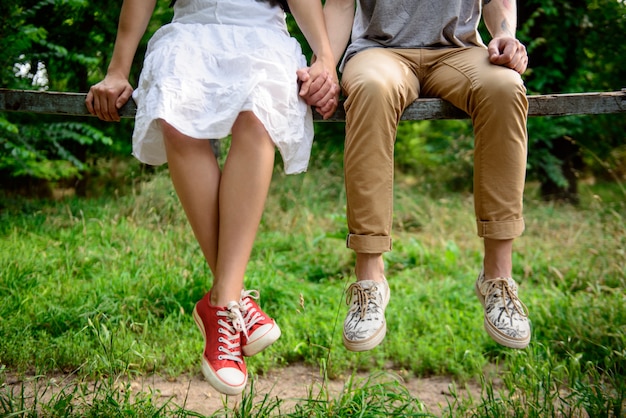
(216, 59)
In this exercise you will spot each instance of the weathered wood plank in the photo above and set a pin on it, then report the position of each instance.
(538, 105)
(60, 103)
(51, 102)
(577, 104)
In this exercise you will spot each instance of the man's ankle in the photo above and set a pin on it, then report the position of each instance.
(370, 267)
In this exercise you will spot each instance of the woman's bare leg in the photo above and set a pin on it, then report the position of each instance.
(244, 185)
(224, 210)
(196, 178)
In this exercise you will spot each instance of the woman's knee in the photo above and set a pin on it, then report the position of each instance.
(176, 141)
(249, 131)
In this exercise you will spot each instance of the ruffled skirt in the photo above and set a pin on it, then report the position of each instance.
(199, 76)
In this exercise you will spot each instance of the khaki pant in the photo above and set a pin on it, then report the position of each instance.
(380, 83)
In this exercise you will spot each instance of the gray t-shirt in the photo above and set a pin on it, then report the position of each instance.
(415, 24)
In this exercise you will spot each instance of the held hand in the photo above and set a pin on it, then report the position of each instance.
(105, 98)
(508, 52)
(320, 88)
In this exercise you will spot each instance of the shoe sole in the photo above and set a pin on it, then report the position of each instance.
(262, 343)
(374, 340)
(208, 372)
(368, 344)
(495, 333)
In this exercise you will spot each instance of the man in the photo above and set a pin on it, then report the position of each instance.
(401, 50)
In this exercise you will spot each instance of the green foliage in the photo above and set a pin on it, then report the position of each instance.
(62, 45)
(538, 384)
(44, 151)
(16, 36)
(103, 288)
(441, 151)
(106, 398)
(380, 395)
(571, 44)
(573, 48)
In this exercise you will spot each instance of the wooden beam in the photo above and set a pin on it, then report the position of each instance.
(73, 104)
(52, 102)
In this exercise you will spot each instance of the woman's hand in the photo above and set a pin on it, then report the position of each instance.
(105, 98)
(320, 87)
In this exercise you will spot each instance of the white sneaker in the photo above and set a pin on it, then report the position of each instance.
(506, 317)
(365, 326)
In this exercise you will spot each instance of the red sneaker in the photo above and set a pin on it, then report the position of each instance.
(260, 330)
(222, 362)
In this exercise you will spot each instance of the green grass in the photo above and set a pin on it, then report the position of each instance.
(104, 287)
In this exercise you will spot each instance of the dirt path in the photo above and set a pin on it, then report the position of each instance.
(289, 384)
(294, 383)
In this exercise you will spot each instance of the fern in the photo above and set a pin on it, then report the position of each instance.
(45, 151)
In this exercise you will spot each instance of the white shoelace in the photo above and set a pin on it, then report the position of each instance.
(252, 316)
(230, 327)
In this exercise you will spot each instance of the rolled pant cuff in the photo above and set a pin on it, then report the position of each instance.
(369, 244)
(501, 230)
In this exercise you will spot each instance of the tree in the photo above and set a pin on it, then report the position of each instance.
(62, 45)
(65, 45)
(574, 46)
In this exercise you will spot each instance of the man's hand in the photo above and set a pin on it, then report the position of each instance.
(107, 97)
(508, 52)
(319, 88)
